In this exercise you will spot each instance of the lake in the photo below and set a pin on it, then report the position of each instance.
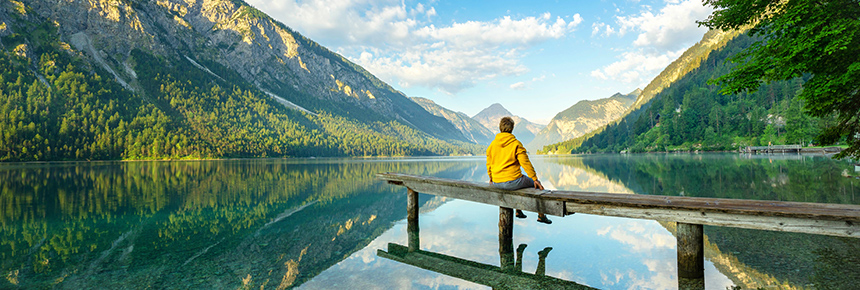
(318, 223)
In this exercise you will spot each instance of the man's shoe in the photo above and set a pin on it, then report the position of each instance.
(521, 215)
(544, 220)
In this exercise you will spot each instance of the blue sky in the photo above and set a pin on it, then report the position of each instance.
(536, 58)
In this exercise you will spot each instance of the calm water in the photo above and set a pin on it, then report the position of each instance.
(318, 223)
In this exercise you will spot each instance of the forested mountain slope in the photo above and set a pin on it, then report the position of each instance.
(690, 115)
(87, 80)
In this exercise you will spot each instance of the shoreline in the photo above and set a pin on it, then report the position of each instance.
(369, 158)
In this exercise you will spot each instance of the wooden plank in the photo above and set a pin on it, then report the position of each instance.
(452, 188)
(747, 221)
(814, 218)
(837, 212)
(473, 271)
(524, 199)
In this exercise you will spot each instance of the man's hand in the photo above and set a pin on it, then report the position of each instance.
(538, 185)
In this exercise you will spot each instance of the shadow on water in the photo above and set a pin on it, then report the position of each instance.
(221, 224)
(750, 258)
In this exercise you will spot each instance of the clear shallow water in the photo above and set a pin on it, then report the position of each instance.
(318, 223)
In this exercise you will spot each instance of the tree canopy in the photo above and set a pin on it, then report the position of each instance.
(798, 37)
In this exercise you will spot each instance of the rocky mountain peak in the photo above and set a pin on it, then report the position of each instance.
(583, 117)
(495, 109)
(523, 129)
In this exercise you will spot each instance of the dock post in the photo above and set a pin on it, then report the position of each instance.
(506, 238)
(691, 250)
(412, 219)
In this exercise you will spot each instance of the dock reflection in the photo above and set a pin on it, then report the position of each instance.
(508, 275)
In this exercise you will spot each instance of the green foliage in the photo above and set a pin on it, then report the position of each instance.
(67, 218)
(65, 113)
(695, 115)
(58, 108)
(244, 122)
(800, 37)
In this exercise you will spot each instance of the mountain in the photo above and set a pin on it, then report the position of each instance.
(192, 79)
(523, 129)
(583, 117)
(690, 60)
(471, 129)
(692, 115)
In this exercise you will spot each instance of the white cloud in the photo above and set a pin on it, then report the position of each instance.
(400, 44)
(597, 26)
(449, 70)
(522, 85)
(674, 25)
(577, 19)
(634, 65)
(661, 39)
(505, 30)
(431, 12)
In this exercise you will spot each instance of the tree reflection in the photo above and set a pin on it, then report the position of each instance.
(154, 223)
(750, 258)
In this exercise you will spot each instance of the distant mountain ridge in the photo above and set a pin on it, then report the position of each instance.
(471, 129)
(523, 129)
(583, 117)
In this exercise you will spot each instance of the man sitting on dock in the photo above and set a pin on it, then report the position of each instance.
(505, 156)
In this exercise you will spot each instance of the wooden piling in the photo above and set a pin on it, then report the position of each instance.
(506, 238)
(691, 251)
(412, 219)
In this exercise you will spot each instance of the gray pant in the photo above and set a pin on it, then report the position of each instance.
(522, 182)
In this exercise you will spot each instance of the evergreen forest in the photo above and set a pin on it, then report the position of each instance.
(54, 106)
(691, 114)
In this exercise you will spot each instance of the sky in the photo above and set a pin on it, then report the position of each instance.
(536, 58)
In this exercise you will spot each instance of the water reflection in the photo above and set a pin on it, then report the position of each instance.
(508, 275)
(317, 224)
(750, 258)
(270, 223)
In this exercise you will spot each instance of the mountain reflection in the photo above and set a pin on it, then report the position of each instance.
(251, 223)
(750, 258)
(317, 223)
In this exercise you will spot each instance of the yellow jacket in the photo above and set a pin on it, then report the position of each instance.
(505, 156)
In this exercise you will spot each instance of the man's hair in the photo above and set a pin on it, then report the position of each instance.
(506, 125)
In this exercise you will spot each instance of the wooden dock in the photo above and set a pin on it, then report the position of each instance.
(689, 212)
(770, 149)
(795, 149)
